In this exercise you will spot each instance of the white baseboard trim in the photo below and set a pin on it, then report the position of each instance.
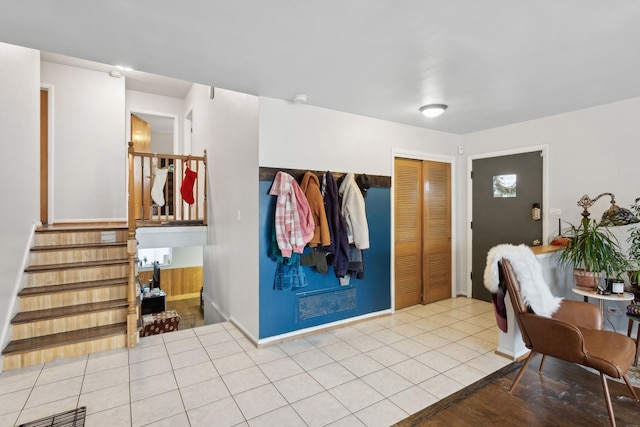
(332, 325)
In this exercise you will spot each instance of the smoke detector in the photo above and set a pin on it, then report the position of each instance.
(299, 98)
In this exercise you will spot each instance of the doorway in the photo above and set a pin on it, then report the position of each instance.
(505, 189)
(422, 231)
(152, 133)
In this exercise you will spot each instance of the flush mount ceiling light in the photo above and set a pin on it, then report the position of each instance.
(433, 110)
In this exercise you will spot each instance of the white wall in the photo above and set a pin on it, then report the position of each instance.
(19, 150)
(305, 137)
(142, 102)
(591, 151)
(227, 127)
(181, 257)
(89, 161)
(162, 142)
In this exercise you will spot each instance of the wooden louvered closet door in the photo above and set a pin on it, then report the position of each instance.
(436, 235)
(408, 232)
(422, 194)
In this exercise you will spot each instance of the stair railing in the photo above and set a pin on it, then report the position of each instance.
(162, 192)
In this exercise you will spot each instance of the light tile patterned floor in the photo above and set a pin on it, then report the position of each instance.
(372, 373)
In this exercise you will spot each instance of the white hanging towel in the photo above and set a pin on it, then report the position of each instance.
(159, 179)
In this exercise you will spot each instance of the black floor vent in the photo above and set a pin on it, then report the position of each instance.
(73, 418)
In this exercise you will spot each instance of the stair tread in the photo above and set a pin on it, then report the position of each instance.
(67, 287)
(78, 246)
(63, 338)
(67, 311)
(71, 265)
(81, 227)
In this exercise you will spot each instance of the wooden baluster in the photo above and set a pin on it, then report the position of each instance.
(204, 201)
(132, 313)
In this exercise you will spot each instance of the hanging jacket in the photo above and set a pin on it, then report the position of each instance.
(293, 219)
(338, 250)
(311, 187)
(354, 212)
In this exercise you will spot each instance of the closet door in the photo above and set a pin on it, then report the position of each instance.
(436, 234)
(422, 200)
(407, 184)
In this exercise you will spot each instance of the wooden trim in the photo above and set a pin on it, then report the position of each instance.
(267, 174)
(132, 249)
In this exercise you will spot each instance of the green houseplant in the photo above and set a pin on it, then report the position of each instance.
(591, 250)
(634, 247)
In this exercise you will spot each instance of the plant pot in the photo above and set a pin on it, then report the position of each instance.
(586, 280)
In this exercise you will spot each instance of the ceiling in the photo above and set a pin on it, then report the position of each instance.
(494, 62)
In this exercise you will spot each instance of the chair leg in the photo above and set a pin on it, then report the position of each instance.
(541, 364)
(630, 387)
(607, 399)
(635, 359)
(521, 372)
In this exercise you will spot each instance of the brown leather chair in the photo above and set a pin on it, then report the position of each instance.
(574, 333)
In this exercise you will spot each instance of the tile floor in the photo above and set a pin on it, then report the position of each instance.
(372, 373)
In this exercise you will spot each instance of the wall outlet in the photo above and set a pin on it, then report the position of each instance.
(614, 310)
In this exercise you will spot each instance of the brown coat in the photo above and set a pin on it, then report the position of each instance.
(311, 188)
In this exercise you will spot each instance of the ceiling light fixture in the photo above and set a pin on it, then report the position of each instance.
(433, 110)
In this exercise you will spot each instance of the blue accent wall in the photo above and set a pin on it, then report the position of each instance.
(279, 310)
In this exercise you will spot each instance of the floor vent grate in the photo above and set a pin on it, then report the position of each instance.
(73, 418)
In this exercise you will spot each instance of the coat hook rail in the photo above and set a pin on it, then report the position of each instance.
(267, 174)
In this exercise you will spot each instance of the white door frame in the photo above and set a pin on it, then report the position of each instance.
(545, 197)
(420, 155)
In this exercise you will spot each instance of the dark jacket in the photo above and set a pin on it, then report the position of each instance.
(338, 250)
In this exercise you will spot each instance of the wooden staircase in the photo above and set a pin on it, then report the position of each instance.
(74, 299)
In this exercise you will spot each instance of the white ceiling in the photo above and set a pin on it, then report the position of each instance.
(494, 62)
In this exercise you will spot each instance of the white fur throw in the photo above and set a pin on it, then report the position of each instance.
(534, 289)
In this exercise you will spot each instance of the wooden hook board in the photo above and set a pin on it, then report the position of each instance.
(268, 174)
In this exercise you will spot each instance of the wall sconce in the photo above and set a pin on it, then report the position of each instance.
(433, 110)
(614, 216)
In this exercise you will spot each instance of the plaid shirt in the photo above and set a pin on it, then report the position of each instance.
(293, 219)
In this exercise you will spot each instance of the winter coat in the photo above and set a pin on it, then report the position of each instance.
(311, 188)
(353, 212)
(338, 251)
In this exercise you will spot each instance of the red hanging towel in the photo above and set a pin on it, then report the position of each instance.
(186, 190)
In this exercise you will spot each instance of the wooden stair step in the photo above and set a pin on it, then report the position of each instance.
(77, 246)
(71, 227)
(69, 287)
(64, 338)
(54, 313)
(74, 265)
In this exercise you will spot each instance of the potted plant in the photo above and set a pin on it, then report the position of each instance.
(591, 250)
(634, 247)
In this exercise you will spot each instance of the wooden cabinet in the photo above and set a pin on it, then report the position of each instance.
(178, 283)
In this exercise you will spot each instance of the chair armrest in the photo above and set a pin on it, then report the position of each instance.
(554, 337)
(581, 314)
